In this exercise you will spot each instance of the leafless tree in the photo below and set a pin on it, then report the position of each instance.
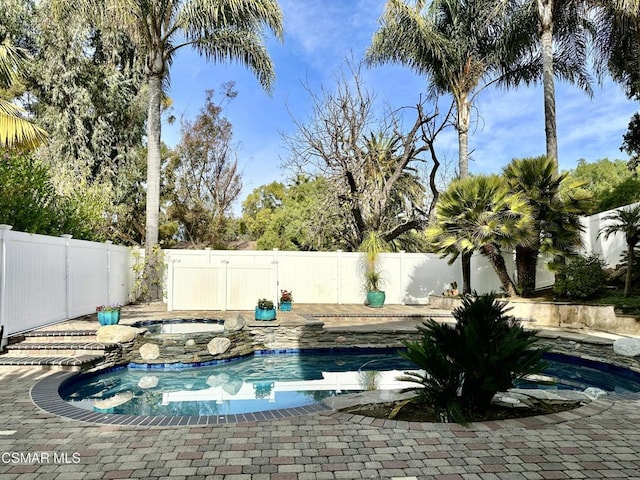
(372, 162)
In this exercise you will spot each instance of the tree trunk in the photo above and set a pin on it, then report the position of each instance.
(630, 260)
(464, 117)
(526, 266)
(466, 273)
(497, 262)
(545, 15)
(152, 275)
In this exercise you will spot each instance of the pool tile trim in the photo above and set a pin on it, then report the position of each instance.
(45, 395)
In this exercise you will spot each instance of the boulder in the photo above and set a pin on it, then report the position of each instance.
(149, 351)
(117, 399)
(218, 345)
(117, 334)
(218, 380)
(234, 324)
(148, 381)
(628, 347)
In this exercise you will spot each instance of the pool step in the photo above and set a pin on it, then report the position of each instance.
(74, 364)
(55, 336)
(65, 349)
(72, 350)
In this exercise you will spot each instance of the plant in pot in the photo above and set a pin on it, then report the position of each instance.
(371, 247)
(108, 314)
(286, 299)
(265, 310)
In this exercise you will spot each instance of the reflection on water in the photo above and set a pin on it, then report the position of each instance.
(258, 383)
(267, 382)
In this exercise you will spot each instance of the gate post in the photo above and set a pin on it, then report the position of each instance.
(4, 234)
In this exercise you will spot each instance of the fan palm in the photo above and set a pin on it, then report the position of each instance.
(219, 30)
(15, 130)
(456, 44)
(627, 222)
(536, 179)
(480, 213)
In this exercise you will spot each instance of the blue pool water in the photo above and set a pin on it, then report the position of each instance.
(273, 381)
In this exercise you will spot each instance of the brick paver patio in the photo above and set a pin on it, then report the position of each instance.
(602, 441)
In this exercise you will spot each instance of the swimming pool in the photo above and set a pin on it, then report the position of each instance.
(272, 380)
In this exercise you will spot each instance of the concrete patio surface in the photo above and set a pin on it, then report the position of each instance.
(600, 440)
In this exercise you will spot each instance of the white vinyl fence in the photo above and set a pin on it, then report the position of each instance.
(612, 249)
(49, 279)
(235, 280)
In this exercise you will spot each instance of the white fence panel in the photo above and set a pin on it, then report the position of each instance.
(49, 279)
(196, 287)
(246, 284)
(312, 278)
(611, 249)
(34, 287)
(89, 283)
(426, 274)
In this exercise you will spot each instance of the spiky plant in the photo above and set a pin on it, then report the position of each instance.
(467, 364)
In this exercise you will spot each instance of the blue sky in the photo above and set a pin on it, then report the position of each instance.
(320, 34)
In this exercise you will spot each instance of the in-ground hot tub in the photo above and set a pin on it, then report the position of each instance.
(182, 325)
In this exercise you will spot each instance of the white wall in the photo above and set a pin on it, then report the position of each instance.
(48, 279)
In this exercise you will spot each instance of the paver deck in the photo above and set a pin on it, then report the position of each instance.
(602, 441)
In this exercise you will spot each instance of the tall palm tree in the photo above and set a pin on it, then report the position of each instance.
(550, 39)
(627, 222)
(556, 225)
(457, 44)
(480, 213)
(15, 130)
(219, 30)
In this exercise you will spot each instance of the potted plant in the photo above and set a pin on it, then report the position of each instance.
(108, 314)
(265, 310)
(286, 298)
(371, 246)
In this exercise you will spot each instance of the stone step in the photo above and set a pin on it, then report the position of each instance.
(55, 336)
(62, 349)
(74, 364)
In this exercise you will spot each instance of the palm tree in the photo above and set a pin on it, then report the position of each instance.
(618, 42)
(626, 221)
(220, 30)
(15, 130)
(560, 30)
(556, 227)
(456, 44)
(480, 213)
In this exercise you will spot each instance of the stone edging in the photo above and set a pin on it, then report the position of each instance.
(594, 407)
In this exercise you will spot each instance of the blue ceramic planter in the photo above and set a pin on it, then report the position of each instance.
(375, 299)
(265, 314)
(285, 306)
(111, 317)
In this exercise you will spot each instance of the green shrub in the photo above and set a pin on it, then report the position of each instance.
(467, 364)
(582, 277)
